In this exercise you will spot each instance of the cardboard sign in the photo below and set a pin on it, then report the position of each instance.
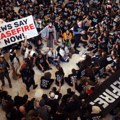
(16, 31)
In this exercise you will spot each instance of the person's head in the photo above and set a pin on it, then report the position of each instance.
(52, 95)
(73, 71)
(105, 34)
(103, 54)
(60, 69)
(40, 55)
(54, 89)
(25, 97)
(42, 103)
(66, 9)
(47, 75)
(69, 91)
(66, 22)
(67, 31)
(95, 110)
(30, 47)
(79, 24)
(22, 109)
(50, 24)
(44, 96)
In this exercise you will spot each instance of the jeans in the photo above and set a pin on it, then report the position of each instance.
(52, 61)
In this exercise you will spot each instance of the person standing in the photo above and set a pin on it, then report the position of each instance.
(77, 31)
(27, 74)
(15, 64)
(4, 66)
(49, 32)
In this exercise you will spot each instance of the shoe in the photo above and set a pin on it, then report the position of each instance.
(90, 49)
(10, 86)
(35, 86)
(78, 46)
(67, 60)
(77, 51)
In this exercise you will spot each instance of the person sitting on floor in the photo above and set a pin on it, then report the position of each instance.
(53, 57)
(62, 53)
(46, 81)
(42, 63)
(67, 37)
(71, 77)
(59, 75)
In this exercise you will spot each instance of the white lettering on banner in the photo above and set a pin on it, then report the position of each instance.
(117, 82)
(14, 38)
(112, 94)
(109, 96)
(102, 102)
(115, 90)
(16, 31)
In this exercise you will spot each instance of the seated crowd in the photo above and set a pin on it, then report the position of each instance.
(98, 23)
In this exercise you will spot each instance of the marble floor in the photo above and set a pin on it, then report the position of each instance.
(19, 87)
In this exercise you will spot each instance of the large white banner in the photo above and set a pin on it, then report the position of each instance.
(16, 31)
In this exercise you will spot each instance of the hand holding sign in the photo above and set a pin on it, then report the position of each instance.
(16, 31)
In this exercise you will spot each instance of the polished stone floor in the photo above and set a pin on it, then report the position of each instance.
(19, 87)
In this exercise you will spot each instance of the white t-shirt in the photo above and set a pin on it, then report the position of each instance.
(28, 53)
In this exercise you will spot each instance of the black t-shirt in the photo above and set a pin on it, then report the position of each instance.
(65, 27)
(57, 26)
(40, 60)
(94, 21)
(59, 75)
(85, 37)
(72, 77)
(30, 8)
(104, 39)
(21, 11)
(65, 14)
(60, 116)
(46, 83)
(103, 62)
(93, 117)
(70, 4)
(74, 17)
(53, 103)
(60, 1)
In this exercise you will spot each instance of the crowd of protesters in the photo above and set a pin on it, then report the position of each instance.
(87, 24)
